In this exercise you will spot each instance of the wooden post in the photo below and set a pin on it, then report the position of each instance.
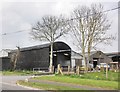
(117, 66)
(68, 69)
(90, 69)
(107, 71)
(52, 69)
(101, 68)
(78, 70)
(96, 69)
(112, 67)
(59, 69)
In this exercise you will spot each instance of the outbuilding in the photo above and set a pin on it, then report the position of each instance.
(4, 59)
(39, 56)
(97, 57)
(115, 56)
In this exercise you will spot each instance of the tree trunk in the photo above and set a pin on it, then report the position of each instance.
(51, 58)
(83, 51)
(15, 62)
(84, 58)
(88, 60)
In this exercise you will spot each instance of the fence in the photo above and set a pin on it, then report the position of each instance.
(40, 69)
(67, 70)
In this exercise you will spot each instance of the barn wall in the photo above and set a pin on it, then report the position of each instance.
(30, 59)
(103, 58)
(38, 56)
(5, 63)
(78, 62)
(72, 62)
(63, 60)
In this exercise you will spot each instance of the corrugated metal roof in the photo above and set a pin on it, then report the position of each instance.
(42, 46)
(33, 47)
(4, 52)
(112, 53)
(91, 53)
(76, 55)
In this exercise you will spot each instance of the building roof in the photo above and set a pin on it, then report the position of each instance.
(91, 53)
(32, 47)
(112, 54)
(75, 55)
(35, 47)
(4, 52)
(57, 45)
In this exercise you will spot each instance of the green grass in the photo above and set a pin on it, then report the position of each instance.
(50, 87)
(80, 81)
(21, 72)
(112, 76)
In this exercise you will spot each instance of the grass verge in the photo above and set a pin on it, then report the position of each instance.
(79, 81)
(112, 76)
(50, 87)
(21, 72)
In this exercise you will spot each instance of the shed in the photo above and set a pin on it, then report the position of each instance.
(97, 57)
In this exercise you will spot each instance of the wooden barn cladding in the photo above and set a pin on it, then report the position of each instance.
(38, 56)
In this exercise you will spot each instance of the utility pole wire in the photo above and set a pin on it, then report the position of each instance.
(96, 13)
(16, 32)
(67, 20)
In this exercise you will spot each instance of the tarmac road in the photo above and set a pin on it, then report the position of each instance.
(9, 83)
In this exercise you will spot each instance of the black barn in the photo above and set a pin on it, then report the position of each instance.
(115, 56)
(39, 56)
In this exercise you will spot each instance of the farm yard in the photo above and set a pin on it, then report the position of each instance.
(76, 50)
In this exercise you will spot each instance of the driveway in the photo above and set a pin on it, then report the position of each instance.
(9, 83)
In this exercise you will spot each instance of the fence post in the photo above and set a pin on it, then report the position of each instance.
(117, 67)
(107, 71)
(59, 69)
(68, 69)
(78, 70)
(33, 70)
(101, 68)
(112, 67)
(97, 69)
(52, 69)
(90, 69)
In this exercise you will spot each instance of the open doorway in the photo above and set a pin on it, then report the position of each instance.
(61, 55)
(95, 62)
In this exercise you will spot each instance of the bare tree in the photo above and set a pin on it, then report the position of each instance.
(49, 29)
(90, 27)
(14, 58)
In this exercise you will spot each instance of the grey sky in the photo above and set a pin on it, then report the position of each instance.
(18, 16)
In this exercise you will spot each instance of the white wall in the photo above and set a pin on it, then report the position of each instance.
(72, 62)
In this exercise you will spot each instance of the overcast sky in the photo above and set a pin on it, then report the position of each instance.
(17, 15)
